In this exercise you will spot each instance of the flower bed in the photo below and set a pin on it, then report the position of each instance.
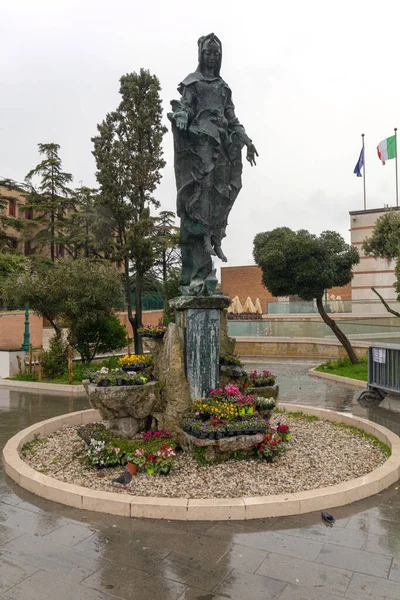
(319, 454)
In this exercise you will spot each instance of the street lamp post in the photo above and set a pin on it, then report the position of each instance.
(27, 337)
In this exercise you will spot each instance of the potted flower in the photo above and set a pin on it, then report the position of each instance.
(265, 406)
(152, 331)
(136, 461)
(103, 381)
(150, 463)
(135, 362)
(166, 459)
(119, 377)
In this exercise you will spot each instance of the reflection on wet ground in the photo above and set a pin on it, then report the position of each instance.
(47, 548)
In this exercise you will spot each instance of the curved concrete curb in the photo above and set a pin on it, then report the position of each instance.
(207, 510)
(347, 380)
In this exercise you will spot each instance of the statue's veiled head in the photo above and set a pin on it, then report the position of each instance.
(210, 53)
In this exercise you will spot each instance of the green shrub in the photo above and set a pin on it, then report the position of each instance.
(55, 359)
(25, 376)
(98, 335)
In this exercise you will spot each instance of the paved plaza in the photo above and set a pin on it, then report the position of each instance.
(52, 551)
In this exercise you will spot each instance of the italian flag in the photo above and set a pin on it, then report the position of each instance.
(387, 149)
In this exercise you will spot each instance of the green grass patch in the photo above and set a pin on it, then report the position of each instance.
(344, 368)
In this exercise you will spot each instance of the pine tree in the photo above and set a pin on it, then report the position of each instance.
(129, 160)
(79, 229)
(166, 244)
(52, 197)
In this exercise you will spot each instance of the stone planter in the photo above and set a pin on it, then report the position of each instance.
(219, 450)
(126, 408)
(270, 391)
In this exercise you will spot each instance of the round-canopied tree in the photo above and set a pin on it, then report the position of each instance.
(299, 263)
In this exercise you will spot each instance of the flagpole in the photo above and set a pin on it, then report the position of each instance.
(397, 178)
(365, 193)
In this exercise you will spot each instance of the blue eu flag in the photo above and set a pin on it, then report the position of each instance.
(360, 164)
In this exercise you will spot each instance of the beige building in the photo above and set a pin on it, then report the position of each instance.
(370, 272)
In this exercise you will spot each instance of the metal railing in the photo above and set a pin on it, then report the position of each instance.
(383, 373)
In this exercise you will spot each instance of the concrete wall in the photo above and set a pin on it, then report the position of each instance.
(295, 348)
(370, 272)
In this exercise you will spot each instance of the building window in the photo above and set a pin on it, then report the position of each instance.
(61, 251)
(29, 213)
(12, 208)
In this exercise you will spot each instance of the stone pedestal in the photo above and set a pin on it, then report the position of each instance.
(198, 319)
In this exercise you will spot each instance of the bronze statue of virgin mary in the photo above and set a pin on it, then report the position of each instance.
(208, 142)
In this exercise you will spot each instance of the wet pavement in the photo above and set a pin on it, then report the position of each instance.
(49, 550)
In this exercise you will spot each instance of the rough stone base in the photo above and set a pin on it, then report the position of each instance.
(271, 391)
(219, 450)
(126, 427)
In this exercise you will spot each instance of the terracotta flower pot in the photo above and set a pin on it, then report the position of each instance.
(132, 468)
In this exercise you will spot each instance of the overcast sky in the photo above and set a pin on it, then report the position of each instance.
(308, 77)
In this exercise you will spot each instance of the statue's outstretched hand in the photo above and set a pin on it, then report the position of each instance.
(181, 119)
(251, 154)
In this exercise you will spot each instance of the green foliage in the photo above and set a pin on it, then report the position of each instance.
(51, 198)
(385, 239)
(128, 153)
(55, 359)
(101, 334)
(25, 377)
(10, 266)
(299, 263)
(8, 187)
(78, 294)
(344, 368)
(171, 290)
(80, 228)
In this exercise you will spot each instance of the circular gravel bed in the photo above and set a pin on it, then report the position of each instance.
(319, 454)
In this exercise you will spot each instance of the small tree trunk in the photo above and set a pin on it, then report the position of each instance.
(338, 332)
(138, 314)
(385, 304)
(52, 246)
(131, 318)
(70, 372)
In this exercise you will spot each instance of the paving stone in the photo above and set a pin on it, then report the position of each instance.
(12, 572)
(239, 585)
(69, 534)
(243, 558)
(366, 587)
(333, 535)
(306, 574)
(8, 497)
(383, 544)
(192, 572)
(395, 571)
(355, 560)
(52, 557)
(7, 534)
(27, 522)
(296, 592)
(124, 581)
(281, 543)
(45, 585)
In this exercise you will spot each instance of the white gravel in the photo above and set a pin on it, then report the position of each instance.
(319, 454)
